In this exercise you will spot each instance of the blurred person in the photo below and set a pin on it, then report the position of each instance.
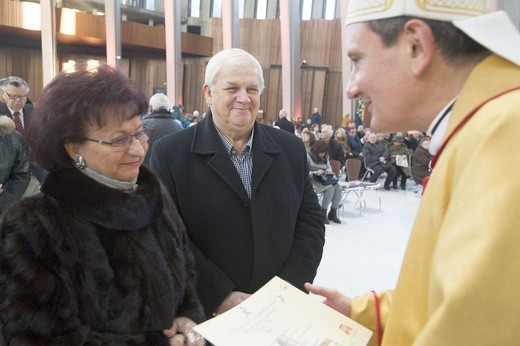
(316, 130)
(402, 169)
(308, 139)
(354, 142)
(421, 161)
(14, 96)
(159, 121)
(316, 117)
(284, 123)
(100, 256)
(195, 118)
(242, 188)
(341, 137)
(346, 120)
(14, 164)
(336, 154)
(377, 158)
(319, 166)
(457, 78)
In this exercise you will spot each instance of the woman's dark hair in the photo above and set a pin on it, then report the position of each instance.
(73, 101)
(452, 42)
(320, 147)
(312, 138)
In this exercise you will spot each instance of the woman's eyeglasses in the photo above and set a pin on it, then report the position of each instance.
(123, 142)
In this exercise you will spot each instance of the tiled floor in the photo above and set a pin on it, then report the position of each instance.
(365, 251)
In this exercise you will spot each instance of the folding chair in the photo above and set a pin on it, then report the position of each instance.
(353, 167)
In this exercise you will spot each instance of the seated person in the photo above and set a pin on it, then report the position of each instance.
(341, 138)
(421, 160)
(398, 147)
(308, 140)
(318, 166)
(377, 159)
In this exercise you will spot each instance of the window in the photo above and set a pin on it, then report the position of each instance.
(194, 8)
(330, 9)
(307, 9)
(261, 9)
(216, 8)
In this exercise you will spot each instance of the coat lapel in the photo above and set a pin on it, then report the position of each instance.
(207, 142)
(264, 148)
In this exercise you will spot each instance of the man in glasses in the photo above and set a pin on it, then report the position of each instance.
(14, 92)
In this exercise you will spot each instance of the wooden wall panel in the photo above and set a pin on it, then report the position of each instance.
(333, 107)
(320, 46)
(307, 91)
(193, 82)
(318, 94)
(11, 13)
(273, 94)
(24, 63)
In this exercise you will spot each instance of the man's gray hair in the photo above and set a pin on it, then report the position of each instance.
(232, 56)
(282, 114)
(159, 101)
(14, 81)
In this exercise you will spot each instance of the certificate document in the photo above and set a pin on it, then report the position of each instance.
(280, 314)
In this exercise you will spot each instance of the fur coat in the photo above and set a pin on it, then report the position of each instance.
(82, 263)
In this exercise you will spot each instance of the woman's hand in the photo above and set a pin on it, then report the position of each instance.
(232, 300)
(333, 298)
(181, 333)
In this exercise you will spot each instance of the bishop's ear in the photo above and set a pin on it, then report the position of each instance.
(421, 45)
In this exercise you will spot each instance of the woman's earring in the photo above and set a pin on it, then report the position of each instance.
(80, 163)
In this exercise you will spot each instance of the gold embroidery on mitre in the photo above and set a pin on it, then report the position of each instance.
(463, 7)
(364, 7)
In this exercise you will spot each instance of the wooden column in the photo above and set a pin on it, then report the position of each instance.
(345, 62)
(291, 71)
(172, 26)
(230, 24)
(113, 32)
(48, 38)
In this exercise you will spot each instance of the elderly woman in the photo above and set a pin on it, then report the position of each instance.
(100, 256)
(319, 166)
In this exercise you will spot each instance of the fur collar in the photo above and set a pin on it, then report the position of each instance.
(6, 125)
(102, 205)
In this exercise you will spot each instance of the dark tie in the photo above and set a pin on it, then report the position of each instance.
(18, 122)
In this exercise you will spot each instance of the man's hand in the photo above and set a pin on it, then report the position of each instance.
(333, 298)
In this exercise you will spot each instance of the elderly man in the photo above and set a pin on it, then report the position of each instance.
(159, 121)
(15, 106)
(242, 189)
(450, 70)
(283, 123)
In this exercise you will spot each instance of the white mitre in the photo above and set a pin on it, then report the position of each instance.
(494, 30)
